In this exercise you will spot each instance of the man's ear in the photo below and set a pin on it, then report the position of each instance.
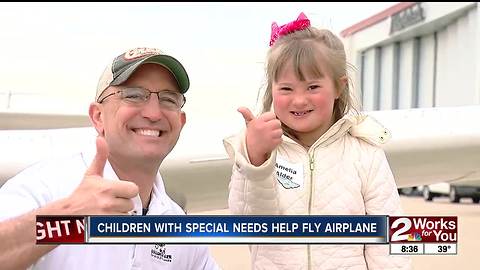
(183, 118)
(342, 84)
(96, 117)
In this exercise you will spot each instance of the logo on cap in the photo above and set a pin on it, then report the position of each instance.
(140, 52)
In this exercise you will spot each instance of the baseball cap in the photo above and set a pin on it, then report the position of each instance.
(125, 64)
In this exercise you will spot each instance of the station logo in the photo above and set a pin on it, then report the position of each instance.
(426, 229)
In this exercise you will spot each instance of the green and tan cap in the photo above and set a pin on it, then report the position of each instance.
(125, 64)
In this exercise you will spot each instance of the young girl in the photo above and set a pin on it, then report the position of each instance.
(309, 126)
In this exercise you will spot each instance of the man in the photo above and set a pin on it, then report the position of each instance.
(137, 114)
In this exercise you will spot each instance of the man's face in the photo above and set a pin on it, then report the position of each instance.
(145, 131)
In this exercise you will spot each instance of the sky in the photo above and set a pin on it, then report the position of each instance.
(54, 53)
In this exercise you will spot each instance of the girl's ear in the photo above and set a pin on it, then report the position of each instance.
(95, 114)
(342, 84)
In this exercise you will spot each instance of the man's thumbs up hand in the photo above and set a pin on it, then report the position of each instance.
(97, 196)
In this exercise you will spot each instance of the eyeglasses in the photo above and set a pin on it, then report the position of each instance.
(137, 95)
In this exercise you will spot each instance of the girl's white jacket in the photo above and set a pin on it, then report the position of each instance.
(344, 172)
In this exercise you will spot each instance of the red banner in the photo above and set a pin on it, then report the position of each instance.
(60, 229)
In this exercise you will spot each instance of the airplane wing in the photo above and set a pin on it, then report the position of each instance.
(16, 121)
(428, 146)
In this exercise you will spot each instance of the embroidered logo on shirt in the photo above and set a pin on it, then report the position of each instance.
(159, 252)
(289, 175)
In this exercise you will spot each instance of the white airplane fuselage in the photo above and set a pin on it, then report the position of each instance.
(427, 146)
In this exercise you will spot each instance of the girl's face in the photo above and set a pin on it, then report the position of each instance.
(304, 106)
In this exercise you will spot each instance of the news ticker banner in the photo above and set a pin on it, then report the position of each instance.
(406, 235)
(212, 229)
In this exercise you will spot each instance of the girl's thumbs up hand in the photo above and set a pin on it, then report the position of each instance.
(264, 134)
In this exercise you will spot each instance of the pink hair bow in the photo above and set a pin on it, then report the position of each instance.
(301, 23)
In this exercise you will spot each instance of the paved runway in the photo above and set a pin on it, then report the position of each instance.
(237, 257)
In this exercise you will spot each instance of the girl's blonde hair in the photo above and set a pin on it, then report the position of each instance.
(316, 52)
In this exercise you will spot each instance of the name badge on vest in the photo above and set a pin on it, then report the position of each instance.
(290, 175)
